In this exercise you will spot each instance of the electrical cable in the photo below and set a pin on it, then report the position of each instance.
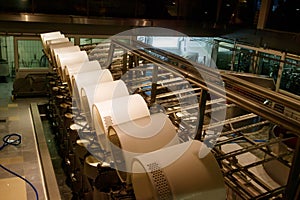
(8, 141)
(15, 139)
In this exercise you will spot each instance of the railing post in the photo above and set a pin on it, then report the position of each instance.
(202, 105)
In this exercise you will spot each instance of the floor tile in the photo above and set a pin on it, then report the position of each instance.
(13, 188)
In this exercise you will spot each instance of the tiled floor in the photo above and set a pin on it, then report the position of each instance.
(24, 159)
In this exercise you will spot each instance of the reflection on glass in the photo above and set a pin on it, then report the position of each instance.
(243, 60)
(30, 54)
(196, 49)
(268, 65)
(85, 41)
(6, 55)
(224, 56)
(290, 80)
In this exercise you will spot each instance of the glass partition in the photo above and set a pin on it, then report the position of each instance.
(30, 54)
(85, 41)
(290, 80)
(6, 56)
(224, 55)
(196, 49)
(243, 60)
(268, 64)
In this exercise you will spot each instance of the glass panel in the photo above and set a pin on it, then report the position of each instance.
(85, 41)
(268, 64)
(7, 64)
(243, 60)
(31, 55)
(290, 80)
(196, 49)
(224, 56)
(165, 42)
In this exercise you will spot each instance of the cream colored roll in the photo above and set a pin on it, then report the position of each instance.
(100, 92)
(47, 45)
(42, 35)
(69, 70)
(55, 41)
(54, 34)
(71, 58)
(178, 172)
(50, 36)
(58, 45)
(88, 78)
(62, 50)
(117, 111)
(143, 135)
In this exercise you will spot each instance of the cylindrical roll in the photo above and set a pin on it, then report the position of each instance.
(59, 45)
(62, 50)
(47, 34)
(69, 70)
(178, 172)
(89, 78)
(50, 36)
(117, 111)
(54, 34)
(55, 41)
(143, 135)
(71, 58)
(100, 92)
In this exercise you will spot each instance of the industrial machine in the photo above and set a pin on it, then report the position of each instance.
(149, 124)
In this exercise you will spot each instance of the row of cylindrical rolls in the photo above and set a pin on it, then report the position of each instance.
(158, 165)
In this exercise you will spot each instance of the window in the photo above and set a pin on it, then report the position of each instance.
(30, 54)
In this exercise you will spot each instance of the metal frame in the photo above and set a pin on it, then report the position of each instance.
(247, 96)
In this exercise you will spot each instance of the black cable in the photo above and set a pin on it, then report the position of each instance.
(8, 141)
(15, 139)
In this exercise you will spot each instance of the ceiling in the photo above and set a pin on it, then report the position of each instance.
(193, 18)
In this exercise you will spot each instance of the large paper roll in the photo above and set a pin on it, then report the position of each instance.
(143, 135)
(62, 50)
(53, 34)
(103, 91)
(70, 70)
(71, 58)
(50, 36)
(58, 45)
(117, 111)
(88, 78)
(55, 41)
(42, 35)
(48, 46)
(178, 172)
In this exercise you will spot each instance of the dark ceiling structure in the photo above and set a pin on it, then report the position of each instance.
(232, 19)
